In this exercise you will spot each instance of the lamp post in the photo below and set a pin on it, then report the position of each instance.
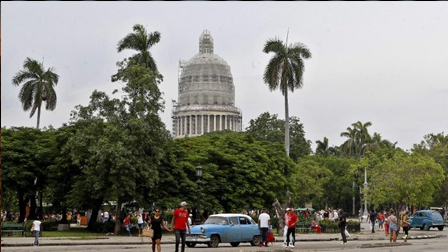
(199, 182)
(366, 213)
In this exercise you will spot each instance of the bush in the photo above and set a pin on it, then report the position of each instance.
(274, 222)
(255, 218)
(46, 225)
(168, 216)
(106, 227)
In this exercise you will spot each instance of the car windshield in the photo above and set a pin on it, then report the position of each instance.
(216, 220)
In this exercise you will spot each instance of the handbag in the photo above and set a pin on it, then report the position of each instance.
(148, 232)
(32, 228)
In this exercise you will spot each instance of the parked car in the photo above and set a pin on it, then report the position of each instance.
(225, 228)
(426, 219)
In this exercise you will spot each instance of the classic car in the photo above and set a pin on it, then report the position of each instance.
(225, 228)
(426, 219)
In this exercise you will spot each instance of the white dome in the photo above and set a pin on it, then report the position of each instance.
(206, 78)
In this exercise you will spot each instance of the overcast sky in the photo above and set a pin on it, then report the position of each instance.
(386, 63)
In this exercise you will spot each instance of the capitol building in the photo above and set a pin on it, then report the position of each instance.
(206, 96)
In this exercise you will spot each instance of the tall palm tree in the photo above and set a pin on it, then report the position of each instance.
(38, 87)
(363, 136)
(322, 147)
(349, 146)
(285, 71)
(141, 41)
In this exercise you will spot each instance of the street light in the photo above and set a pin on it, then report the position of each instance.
(366, 213)
(199, 182)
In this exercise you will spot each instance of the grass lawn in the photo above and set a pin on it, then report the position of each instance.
(78, 232)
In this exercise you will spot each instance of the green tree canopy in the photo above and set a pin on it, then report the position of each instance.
(26, 155)
(267, 127)
(239, 172)
(407, 178)
(121, 141)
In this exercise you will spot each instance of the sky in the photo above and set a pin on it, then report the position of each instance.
(382, 62)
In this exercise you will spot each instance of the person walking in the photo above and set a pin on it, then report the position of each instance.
(372, 219)
(37, 226)
(405, 224)
(380, 221)
(393, 226)
(292, 221)
(180, 224)
(157, 222)
(285, 230)
(264, 221)
(341, 224)
(140, 223)
(127, 224)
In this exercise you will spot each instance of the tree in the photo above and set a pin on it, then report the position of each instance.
(229, 160)
(26, 153)
(267, 127)
(285, 71)
(141, 41)
(121, 142)
(436, 147)
(408, 178)
(358, 138)
(38, 87)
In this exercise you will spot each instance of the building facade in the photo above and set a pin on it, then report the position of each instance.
(206, 96)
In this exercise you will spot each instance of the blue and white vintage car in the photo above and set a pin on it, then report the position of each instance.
(225, 228)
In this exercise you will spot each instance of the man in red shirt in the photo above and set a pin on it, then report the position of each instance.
(180, 224)
(292, 220)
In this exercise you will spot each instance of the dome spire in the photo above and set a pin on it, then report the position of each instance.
(205, 42)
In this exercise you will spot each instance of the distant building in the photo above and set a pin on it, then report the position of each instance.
(206, 100)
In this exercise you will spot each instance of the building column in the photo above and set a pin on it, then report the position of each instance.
(225, 122)
(177, 127)
(180, 125)
(235, 122)
(208, 123)
(220, 122)
(214, 123)
(195, 125)
(190, 131)
(185, 125)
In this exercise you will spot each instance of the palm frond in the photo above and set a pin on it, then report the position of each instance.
(154, 38)
(274, 45)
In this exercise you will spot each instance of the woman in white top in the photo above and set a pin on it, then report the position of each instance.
(393, 226)
(37, 225)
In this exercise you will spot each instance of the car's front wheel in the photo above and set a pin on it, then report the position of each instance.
(234, 244)
(214, 241)
(190, 244)
(255, 241)
(425, 227)
(440, 228)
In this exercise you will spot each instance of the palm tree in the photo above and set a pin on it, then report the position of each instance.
(38, 87)
(141, 42)
(349, 146)
(363, 136)
(322, 147)
(285, 71)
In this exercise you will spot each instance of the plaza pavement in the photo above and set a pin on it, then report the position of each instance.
(364, 235)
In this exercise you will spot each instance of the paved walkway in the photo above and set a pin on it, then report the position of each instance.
(364, 235)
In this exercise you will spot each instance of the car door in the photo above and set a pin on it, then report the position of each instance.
(248, 229)
(233, 230)
(417, 220)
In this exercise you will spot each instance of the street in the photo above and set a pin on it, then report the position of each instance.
(438, 244)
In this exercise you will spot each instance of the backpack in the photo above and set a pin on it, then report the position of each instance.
(270, 237)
